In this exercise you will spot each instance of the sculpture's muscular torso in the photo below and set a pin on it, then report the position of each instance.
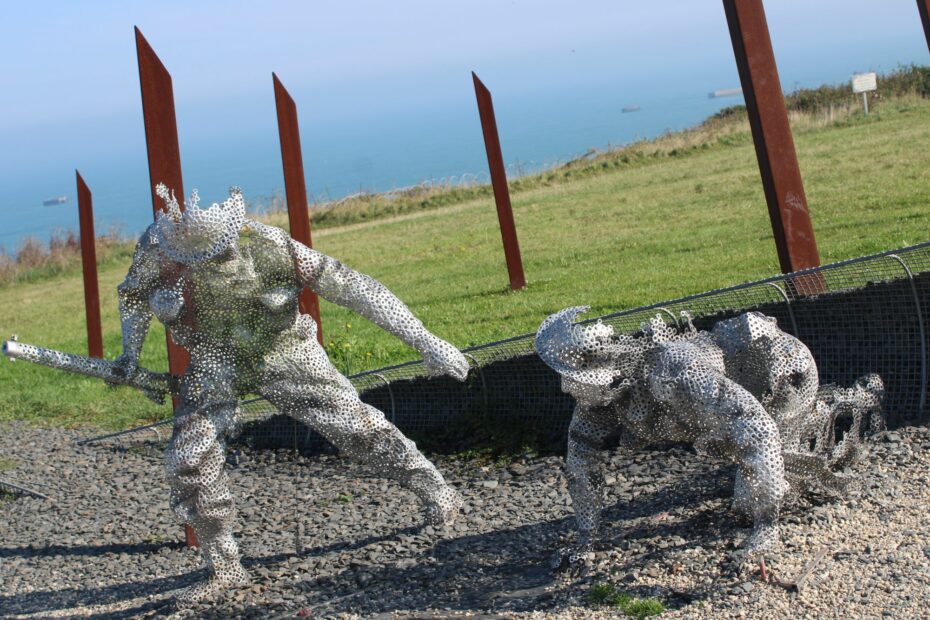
(227, 289)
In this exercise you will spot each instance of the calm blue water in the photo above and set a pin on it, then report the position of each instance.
(540, 125)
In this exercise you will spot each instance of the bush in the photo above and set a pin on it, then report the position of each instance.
(35, 261)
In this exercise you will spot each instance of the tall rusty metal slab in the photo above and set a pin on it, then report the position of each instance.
(295, 188)
(164, 153)
(771, 133)
(924, 7)
(492, 145)
(89, 263)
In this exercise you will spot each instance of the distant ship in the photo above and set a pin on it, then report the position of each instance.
(726, 92)
(630, 108)
(51, 202)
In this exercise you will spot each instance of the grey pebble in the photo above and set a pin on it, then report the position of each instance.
(108, 543)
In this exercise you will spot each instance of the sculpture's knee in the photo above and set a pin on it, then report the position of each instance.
(191, 445)
(352, 426)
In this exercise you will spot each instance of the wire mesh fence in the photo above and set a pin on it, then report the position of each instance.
(858, 316)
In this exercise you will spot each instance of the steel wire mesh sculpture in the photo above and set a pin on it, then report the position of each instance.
(227, 290)
(745, 390)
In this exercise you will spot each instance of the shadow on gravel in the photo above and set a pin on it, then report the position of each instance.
(49, 600)
(507, 570)
(496, 572)
(89, 550)
(69, 598)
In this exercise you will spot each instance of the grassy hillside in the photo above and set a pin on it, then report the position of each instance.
(670, 217)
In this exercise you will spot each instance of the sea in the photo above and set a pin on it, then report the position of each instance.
(438, 142)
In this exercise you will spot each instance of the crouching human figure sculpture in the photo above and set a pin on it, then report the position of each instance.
(227, 290)
(745, 391)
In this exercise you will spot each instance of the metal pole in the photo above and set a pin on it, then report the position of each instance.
(295, 188)
(923, 6)
(164, 153)
(771, 133)
(499, 182)
(89, 263)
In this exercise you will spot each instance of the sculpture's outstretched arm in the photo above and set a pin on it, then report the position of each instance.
(344, 286)
(134, 293)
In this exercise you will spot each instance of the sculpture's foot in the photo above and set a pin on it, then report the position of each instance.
(443, 509)
(742, 514)
(764, 538)
(231, 578)
(574, 560)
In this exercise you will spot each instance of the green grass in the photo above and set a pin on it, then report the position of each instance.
(675, 216)
(639, 608)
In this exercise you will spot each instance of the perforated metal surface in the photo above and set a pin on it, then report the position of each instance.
(227, 290)
(744, 390)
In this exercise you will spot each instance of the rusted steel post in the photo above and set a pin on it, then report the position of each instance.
(771, 133)
(924, 7)
(164, 153)
(295, 188)
(161, 139)
(492, 145)
(89, 263)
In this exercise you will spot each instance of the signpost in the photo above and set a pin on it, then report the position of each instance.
(864, 83)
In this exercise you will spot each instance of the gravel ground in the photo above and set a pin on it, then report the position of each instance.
(322, 538)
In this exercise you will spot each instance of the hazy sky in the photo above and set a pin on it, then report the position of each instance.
(64, 62)
(70, 90)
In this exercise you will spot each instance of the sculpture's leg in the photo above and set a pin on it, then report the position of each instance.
(756, 448)
(589, 428)
(725, 413)
(586, 435)
(742, 504)
(200, 493)
(301, 382)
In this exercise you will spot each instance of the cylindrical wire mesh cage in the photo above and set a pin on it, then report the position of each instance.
(858, 316)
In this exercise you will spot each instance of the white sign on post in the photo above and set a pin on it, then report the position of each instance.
(863, 83)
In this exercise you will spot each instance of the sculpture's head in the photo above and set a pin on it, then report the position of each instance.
(595, 363)
(196, 234)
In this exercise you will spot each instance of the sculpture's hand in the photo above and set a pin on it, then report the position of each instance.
(442, 358)
(126, 366)
(155, 396)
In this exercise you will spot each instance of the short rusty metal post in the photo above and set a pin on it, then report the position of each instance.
(924, 7)
(492, 145)
(164, 154)
(295, 188)
(771, 133)
(89, 263)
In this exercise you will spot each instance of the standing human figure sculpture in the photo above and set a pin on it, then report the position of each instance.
(227, 288)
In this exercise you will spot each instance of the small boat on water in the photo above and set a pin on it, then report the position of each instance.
(58, 200)
(630, 108)
(725, 92)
